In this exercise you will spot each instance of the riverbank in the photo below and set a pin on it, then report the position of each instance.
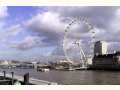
(12, 79)
(83, 77)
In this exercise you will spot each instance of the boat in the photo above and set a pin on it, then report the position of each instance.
(81, 68)
(71, 69)
(68, 69)
(43, 69)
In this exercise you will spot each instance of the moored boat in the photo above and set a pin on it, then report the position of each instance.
(43, 69)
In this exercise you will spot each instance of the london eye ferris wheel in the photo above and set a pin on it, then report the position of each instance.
(78, 40)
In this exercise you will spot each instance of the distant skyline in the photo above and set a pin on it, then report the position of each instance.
(27, 31)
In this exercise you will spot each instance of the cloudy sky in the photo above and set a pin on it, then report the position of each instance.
(27, 32)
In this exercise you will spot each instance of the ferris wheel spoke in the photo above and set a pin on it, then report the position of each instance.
(78, 20)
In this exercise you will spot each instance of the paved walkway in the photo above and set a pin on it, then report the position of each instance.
(31, 80)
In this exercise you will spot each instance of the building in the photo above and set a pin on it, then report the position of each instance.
(66, 61)
(4, 62)
(89, 61)
(106, 61)
(100, 48)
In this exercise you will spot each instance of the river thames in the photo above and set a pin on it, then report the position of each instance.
(84, 77)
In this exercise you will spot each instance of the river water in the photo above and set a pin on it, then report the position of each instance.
(84, 77)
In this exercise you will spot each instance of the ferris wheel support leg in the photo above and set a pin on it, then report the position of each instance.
(83, 57)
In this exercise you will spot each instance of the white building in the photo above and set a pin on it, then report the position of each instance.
(89, 61)
(100, 48)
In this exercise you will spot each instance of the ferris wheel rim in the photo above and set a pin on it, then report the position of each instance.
(75, 20)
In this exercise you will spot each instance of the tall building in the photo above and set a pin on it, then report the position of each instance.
(100, 48)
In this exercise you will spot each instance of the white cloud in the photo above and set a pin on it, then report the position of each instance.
(114, 25)
(14, 29)
(48, 22)
(26, 43)
(51, 24)
(48, 25)
(9, 32)
(3, 12)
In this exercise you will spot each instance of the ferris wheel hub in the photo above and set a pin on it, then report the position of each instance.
(82, 54)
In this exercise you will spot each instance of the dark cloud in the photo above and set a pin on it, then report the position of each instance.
(98, 15)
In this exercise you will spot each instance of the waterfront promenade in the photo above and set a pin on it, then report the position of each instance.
(31, 81)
